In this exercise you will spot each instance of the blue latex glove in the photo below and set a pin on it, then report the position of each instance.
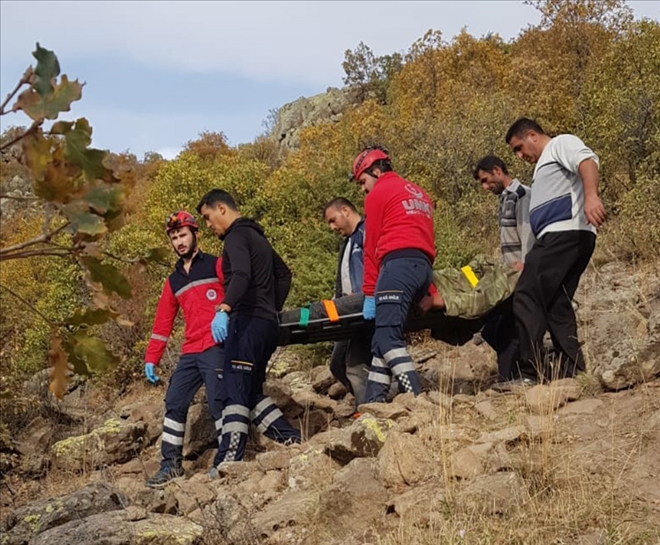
(369, 307)
(219, 326)
(150, 371)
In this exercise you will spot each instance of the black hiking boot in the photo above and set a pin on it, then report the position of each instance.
(165, 476)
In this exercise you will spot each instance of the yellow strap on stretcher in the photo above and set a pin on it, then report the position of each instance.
(331, 310)
(469, 274)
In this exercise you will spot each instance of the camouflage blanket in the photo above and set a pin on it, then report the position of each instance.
(496, 282)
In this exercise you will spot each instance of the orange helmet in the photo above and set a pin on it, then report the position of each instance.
(179, 219)
(366, 158)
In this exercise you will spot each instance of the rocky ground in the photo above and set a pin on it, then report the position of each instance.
(573, 462)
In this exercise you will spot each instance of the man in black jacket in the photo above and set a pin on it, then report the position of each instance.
(256, 282)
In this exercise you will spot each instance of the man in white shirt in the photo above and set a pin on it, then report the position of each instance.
(565, 211)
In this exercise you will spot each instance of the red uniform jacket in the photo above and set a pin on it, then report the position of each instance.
(399, 215)
(197, 293)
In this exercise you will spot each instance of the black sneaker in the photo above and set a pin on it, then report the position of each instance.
(165, 476)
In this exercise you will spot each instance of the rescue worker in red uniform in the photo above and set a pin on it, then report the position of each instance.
(195, 286)
(399, 251)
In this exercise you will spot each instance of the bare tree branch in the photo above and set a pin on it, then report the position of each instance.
(45, 238)
(20, 198)
(25, 79)
(36, 123)
(32, 308)
(36, 253)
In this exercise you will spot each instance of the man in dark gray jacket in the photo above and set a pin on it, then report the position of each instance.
(351, 358)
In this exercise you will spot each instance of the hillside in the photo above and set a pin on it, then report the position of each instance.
(571, 462)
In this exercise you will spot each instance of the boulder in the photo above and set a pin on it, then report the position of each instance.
(200, 434)
(353, 503)
(151, 412)
(494, 494)
(404, 459)
(282, 394)
(363, 438)
(486, 409)
(322, 379)
(420, 506)
(290, 510)
(311, 469)
(309, 399)
(506, 435)
(304, 112)
(36, 437)
(276, 459)
(194, 493)
(37, 517)
(546, 398)
(623, 318)
(468, 462)
(162, 501)
(391, 411)
(115, 442)
(115, 528)
(583, 406)
(337, 391)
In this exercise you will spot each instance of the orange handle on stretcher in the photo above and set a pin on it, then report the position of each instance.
(331, 310)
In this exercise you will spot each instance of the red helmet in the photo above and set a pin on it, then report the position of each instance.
(179, 219)
(366, 158)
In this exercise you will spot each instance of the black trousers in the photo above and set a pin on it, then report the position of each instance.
(499, 332)
(249, 345)
(542, 301)
(192, 371)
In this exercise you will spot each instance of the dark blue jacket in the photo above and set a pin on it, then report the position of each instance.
(356, 260)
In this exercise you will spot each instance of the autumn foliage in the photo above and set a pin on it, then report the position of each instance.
(588, 68)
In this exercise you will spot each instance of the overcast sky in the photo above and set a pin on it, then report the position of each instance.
(158, 73)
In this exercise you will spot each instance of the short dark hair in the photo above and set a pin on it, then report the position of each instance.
(487, 164)
(215, 196)
(520, 128)
(384, 165)
(338, 202)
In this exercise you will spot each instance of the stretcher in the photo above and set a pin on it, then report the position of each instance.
(341, 318)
